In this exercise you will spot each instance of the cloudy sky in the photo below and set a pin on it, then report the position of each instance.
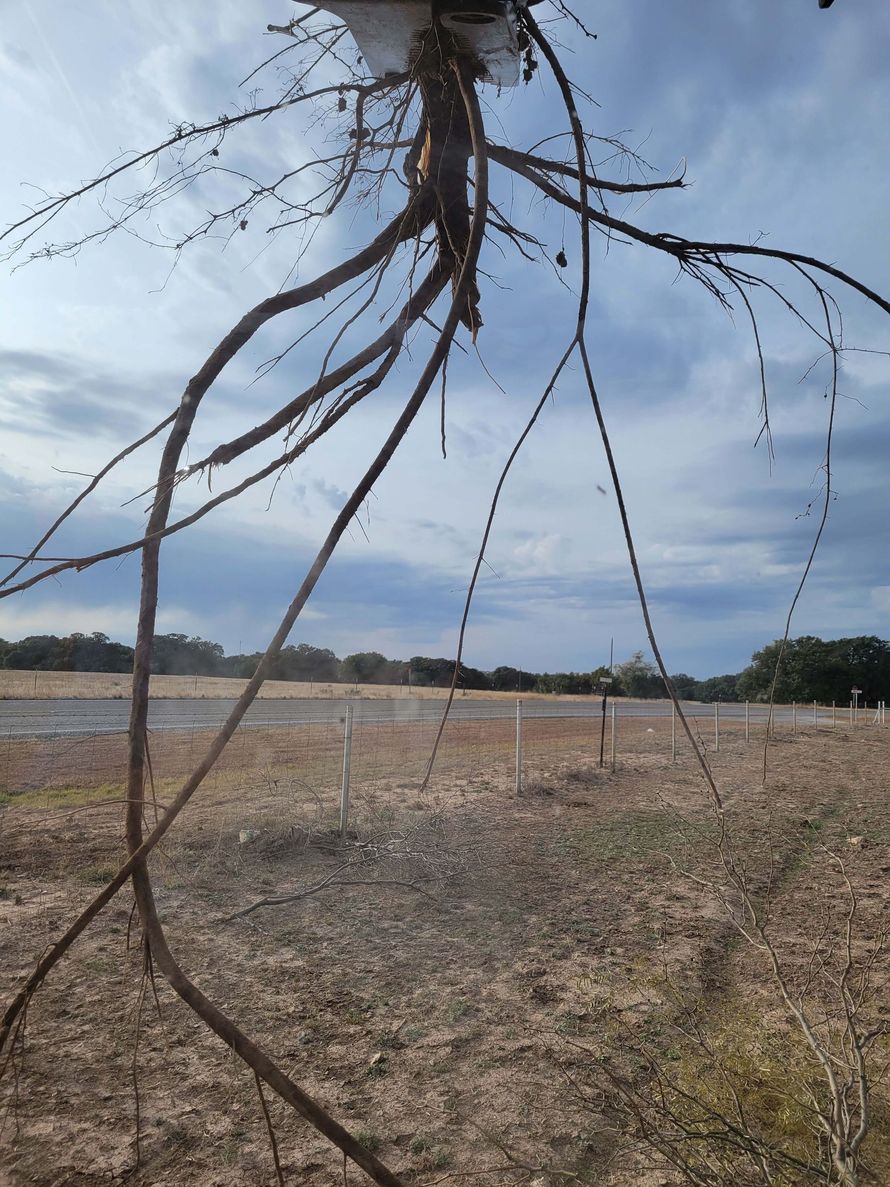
(780, 113)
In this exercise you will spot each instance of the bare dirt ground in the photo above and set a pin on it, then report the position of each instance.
(454, 1020)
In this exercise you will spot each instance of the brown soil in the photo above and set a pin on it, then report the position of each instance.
(448, 1029)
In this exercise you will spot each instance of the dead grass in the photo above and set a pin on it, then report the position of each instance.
(437, 1029)
(25, 685)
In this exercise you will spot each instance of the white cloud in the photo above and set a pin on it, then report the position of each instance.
(540, 555)
(783, 118)
(21, 618)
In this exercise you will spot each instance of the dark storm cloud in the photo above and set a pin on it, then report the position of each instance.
(860, 453)
(237, 583)
(66, 395)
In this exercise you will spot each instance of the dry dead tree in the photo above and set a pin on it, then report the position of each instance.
(431, 113)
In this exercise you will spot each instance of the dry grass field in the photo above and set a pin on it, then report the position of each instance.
(16, 685)
(456, 1009)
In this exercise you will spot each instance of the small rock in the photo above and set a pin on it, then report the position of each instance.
(857, 842)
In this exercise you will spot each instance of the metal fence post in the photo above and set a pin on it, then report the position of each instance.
(613, 737)
(815, 715)
(747, 722)
(347, 764)
(519, 747)
(834, 714)
(673, 732)
(851, 712)
(794, 716)
(716, 725)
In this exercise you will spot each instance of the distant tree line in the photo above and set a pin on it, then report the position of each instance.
(812, 669)
(818, 670)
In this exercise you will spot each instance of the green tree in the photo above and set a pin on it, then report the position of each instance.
(370, 667)
(94, 653)
(305, 662)
(685, 686)
(35, 652)
(508, 679)
(716, 688)
(863, 661)
(428, 672)
(813, 669)
(365, 667)
(179, 655)
(639, 677)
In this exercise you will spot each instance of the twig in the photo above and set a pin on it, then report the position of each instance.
(270, 1130)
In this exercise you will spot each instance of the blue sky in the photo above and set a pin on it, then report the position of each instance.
(780, 112)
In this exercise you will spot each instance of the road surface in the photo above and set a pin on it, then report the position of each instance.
(74, 718)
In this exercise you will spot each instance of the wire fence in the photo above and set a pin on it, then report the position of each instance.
(346, 779)
(317, 752)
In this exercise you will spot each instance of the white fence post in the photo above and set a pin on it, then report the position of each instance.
(613, 737)
(519, 747)
(716, 725)
(347, 764)
(747, 722)
(815, 715)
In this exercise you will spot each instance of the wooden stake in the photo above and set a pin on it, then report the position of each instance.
(519, 748)
(347, 766)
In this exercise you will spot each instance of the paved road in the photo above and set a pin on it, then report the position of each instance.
(52, 718)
